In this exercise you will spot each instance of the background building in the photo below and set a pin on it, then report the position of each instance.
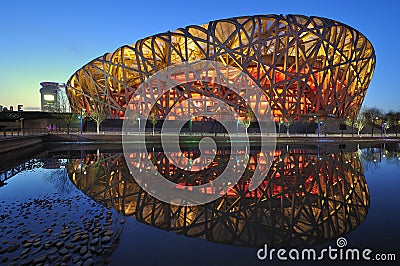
(53, 97)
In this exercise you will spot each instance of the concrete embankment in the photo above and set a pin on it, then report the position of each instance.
(84, 138)
(20, 142)
(117, 138)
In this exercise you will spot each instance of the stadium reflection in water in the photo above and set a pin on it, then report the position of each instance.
(307, 198)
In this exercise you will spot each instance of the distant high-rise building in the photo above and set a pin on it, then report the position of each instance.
(53, 97)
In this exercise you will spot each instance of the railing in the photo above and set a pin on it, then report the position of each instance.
(5, 133)
(11, 132)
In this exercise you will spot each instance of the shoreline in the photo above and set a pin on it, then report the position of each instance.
(21, 143)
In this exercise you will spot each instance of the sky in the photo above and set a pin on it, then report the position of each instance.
(50, 40)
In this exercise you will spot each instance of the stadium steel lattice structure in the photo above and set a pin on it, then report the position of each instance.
(308, 197)
(304, 65)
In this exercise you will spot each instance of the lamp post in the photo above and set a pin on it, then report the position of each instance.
(279, 126)
(22, 125)
(237, 126)
(80, 122)
(372, 128)
(383, 129)
(373, 125)
(319, 125)
(306, 129)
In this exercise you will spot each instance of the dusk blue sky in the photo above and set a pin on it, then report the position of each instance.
(50, 40)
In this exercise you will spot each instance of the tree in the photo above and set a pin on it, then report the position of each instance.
(358, 122)
(306, 122)
(374, 117)
(60, 179)
(249, 117)
(397, 126)
(369, 159)
(391, 119)
(287, 122)
(397, 122)
(98, 114)
(64, 106)
(280, 122)
(70, 119)
(153, 120)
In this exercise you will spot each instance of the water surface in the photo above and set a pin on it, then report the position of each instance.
(311, 196)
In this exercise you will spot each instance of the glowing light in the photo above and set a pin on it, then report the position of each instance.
(48, 97)
(292, 90)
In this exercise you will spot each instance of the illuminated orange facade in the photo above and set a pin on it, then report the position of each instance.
(304, 65)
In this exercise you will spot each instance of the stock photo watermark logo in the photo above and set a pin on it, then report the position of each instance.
(340, 253)
(183, 76)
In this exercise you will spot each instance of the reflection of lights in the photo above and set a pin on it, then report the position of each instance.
(375, 160)
(384, 156)
(311, 189)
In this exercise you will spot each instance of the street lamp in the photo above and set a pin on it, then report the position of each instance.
(279, 126)
(22, 125)
(319, 128)
(373, 125)
(80, 123)
(237, 126)
(319, 124)
(383, 129)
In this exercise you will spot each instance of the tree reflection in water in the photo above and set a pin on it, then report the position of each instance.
(371, 157)
(58, 176)
(308, 197)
